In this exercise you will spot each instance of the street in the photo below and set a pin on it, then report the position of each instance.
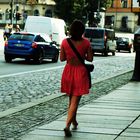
(19, 66)
(26, 85)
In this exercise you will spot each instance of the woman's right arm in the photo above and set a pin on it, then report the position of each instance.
(89, 56)
(62, 54)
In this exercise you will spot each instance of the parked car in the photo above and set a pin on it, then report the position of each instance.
(102, 40)
(34, 46)
(124, 43)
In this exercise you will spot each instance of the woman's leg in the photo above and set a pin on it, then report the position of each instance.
(72, 111)
(74, 121)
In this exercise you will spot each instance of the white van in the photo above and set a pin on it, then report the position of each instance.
(54, 27)
(102, 40)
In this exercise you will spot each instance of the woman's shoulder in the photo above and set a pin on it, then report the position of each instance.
(86, 41)
(64, 42)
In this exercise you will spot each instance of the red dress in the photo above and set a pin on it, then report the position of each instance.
(75, 78)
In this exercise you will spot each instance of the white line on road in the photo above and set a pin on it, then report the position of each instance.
(47, 69)
(20, 73)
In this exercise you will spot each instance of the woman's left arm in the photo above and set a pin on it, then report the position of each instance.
(89, 56)
(62, 54)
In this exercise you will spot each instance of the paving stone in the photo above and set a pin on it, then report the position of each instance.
(136, 124)
(132, 133)
(113, 112)
(51, 135)
(128, 138)
(59, 125)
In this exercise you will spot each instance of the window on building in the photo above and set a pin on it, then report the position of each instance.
(109, 20)
(125, 22)
(7, 14)
(48, 13)
(124, 3)
(36, 13)
(0, 16)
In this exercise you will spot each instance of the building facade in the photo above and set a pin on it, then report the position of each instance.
(16, 11)
(123, 15)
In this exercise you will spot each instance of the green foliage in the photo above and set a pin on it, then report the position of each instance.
(78, 9)
(106, 3)
(63, 9)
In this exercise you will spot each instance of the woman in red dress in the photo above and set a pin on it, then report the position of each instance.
(75, 82)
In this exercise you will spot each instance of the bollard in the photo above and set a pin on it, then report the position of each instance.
(136, 44)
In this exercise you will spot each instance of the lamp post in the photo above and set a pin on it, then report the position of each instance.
(11, 11)
(136, 73)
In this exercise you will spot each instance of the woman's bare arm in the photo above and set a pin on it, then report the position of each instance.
(89, 56)
(62, 54)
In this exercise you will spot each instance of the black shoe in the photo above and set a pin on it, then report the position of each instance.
(75, 126)
(67, 132)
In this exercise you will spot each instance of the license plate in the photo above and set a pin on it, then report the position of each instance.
(19, 45)
(122, 44)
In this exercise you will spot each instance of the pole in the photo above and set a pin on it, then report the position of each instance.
(11, 5)
(136, 72)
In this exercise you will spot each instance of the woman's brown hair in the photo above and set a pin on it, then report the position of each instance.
(77, 29)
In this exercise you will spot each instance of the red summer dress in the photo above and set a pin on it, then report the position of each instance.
(75, 78)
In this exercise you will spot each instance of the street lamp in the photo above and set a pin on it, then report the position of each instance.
(11, 11)
(136, 73)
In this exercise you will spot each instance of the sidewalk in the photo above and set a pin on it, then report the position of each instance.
(115, 116)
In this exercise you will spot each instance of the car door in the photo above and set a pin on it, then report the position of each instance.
(48, 47)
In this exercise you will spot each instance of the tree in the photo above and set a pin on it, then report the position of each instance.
(95, 6)
(71, 9)
(80, 9)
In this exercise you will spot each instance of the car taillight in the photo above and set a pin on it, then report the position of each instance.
(6, 44)
(34, 45)
(105, 38)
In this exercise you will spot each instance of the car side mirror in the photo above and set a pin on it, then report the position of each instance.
(53, 42)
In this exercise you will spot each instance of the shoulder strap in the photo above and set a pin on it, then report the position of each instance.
(75, 50)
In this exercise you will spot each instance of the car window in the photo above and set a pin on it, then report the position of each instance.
(27, 37)
(46, 38)
(39, 39)
(110, 34)
(94, 33)
(123, 39)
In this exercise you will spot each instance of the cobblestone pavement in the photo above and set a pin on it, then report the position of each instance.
(25, 88)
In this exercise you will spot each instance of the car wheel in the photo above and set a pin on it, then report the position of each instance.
(113, 53)
(39, 59)
(55, 59)
(27, 59)
(105, 53)
(8, 59)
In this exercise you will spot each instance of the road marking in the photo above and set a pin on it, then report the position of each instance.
(20, 73)
(57, 67)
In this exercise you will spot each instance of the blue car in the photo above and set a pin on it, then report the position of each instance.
(36, 46)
